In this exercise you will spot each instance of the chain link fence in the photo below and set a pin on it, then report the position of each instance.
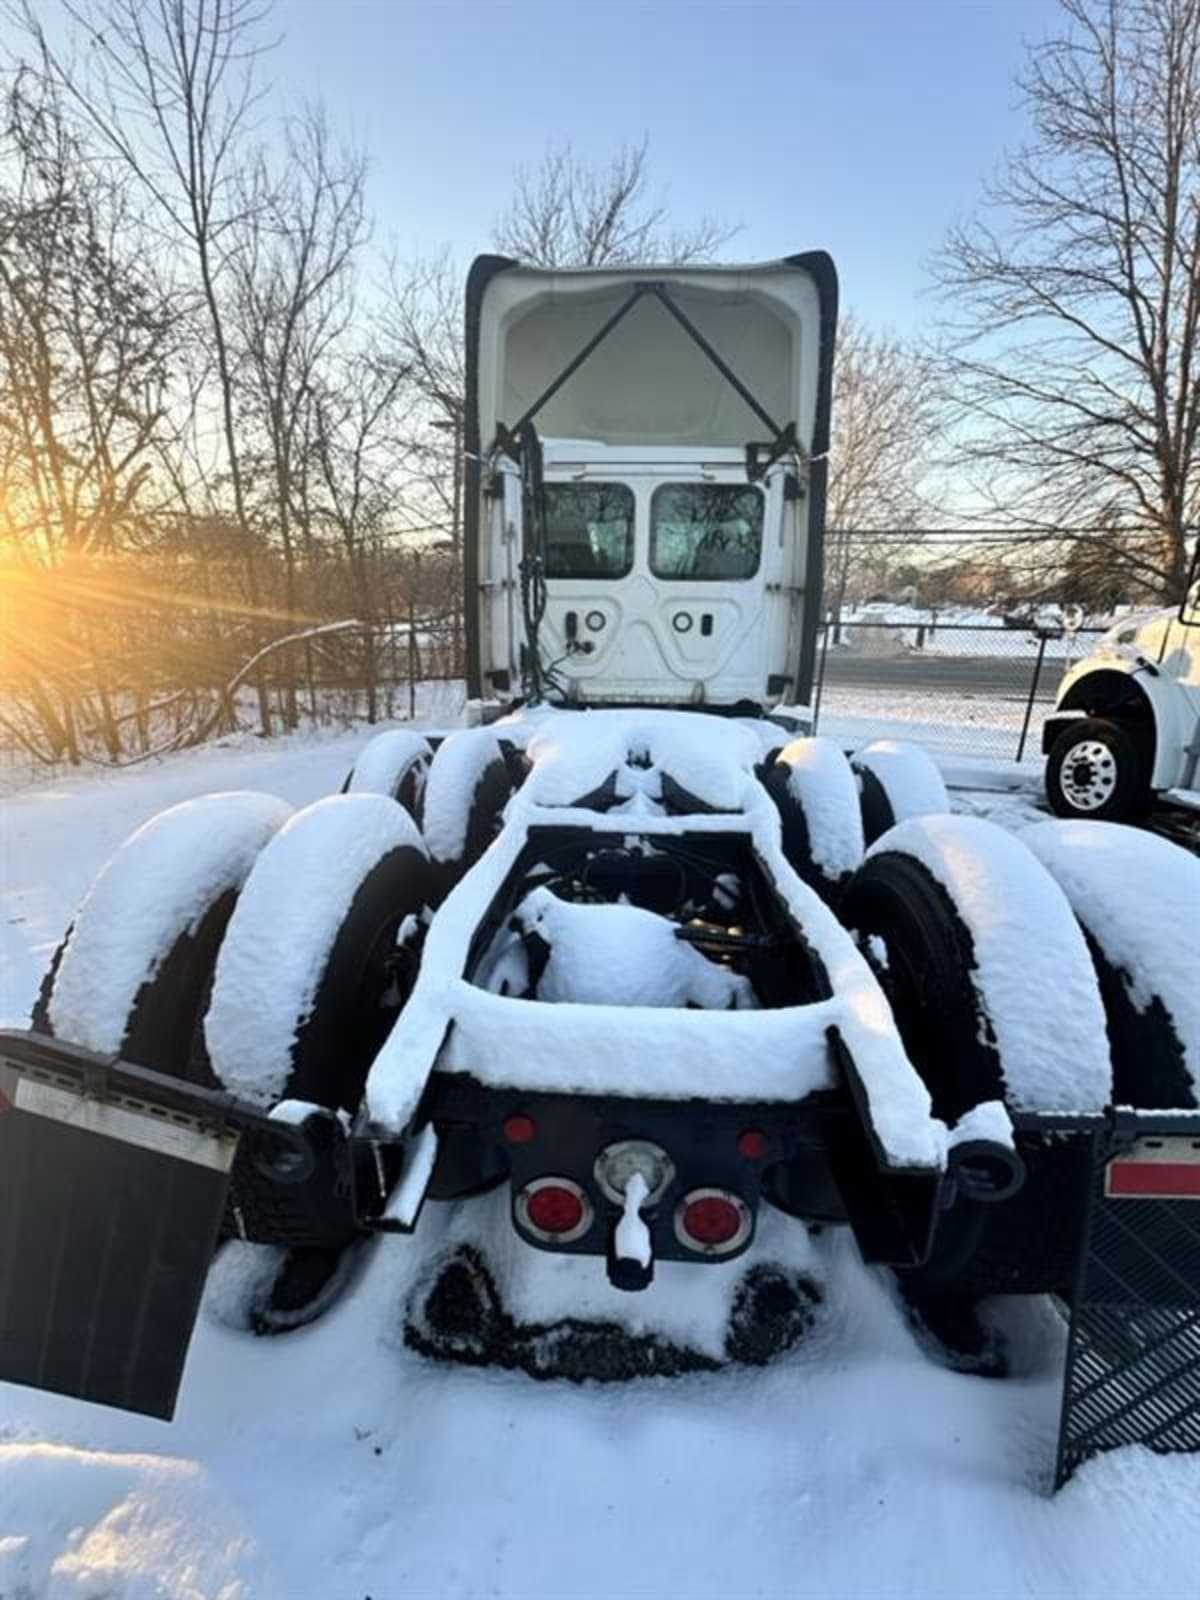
(978, 688)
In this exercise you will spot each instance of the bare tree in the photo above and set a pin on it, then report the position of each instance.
(291, 260)
(1074, 334)
(85, 338)
(422, 327)
(168, 89)
(885, 411)
(354, 434)
(85, 344)
(565, 213)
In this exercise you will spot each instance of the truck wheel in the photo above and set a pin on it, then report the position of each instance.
(929, 895)
(1098, 769)
(814, 791)
(468, 787)
(394, 763)
(306, 988)
(1136, 896)
(308, 982)
(131, 978)
(896, 781)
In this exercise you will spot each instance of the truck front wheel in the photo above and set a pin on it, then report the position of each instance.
(1098, 768)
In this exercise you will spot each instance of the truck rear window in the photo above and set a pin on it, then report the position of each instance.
(589, 530)
(705, 531)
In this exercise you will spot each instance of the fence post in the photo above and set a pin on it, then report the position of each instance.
(1033, 689)
(821, 675)
(412, 657)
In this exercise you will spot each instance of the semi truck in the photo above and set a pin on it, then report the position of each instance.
(630, 967)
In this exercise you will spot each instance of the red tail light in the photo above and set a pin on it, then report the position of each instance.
(752, 1144)
(519, 1130)
(554, 1209)
(712, 1222)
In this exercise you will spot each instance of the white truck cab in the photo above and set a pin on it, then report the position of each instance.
(1126, 729)
(646, 482)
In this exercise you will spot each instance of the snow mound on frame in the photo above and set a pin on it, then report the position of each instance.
(574, 752)
(159, 885)
(622, 955)
(1034, 976)
(283, 929)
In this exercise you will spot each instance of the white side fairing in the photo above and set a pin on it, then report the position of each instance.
(673, 574)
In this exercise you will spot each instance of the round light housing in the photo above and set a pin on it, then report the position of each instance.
(752, 1144)
(618, 1162)
(712, 1222)
(554, 1209)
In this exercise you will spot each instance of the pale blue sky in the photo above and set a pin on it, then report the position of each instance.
(863, 126)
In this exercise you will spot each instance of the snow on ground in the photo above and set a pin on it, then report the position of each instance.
(333, 1462)
(966, 631)
(983, 726)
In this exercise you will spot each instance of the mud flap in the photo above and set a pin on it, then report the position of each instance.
(109, 1212)
(1133, 1355)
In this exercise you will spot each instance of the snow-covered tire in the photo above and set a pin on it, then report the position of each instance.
(814, 792)
(1099, 769)
(956, 913)
(394, 763)
(1137, 898)
(306, 989)
(131, 978)
(468, 787)
(896, 781)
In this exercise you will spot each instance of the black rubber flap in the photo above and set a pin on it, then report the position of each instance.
(1133, 1361)
(104, 1247)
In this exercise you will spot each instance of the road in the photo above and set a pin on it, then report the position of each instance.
(990, 677)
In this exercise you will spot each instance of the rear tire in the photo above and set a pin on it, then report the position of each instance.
(132, 975)
(945, 1015)
(814, 791)
(394, 763)
(305, 989)
(1099, 770)
(468, 788)
(1138, 944)
(896, 781)
(308, 983)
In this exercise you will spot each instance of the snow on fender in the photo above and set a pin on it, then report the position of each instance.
(1138, 896)
(386, 760)
(898, 781)
(1034, 977)
(814, 791)
(159, 885)
(283, 930)
(457, 775)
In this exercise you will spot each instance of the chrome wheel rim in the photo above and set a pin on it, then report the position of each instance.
(1089, 775)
